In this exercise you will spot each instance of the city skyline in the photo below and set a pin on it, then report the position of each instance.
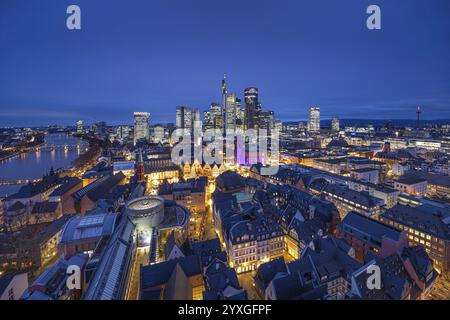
(109, 69)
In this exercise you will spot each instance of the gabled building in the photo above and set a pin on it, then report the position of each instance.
(63, 194)
(323, 272)
(86, 198)
(175, 279)
(190, 194)
(405, 275)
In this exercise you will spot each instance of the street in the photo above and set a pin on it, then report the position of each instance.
(247, 283)
(140, 258)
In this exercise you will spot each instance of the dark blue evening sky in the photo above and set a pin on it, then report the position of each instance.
(152, 55)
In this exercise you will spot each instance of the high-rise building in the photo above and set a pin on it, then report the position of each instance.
(208, 122)
(239, 115)
(100, 128)
(251, 106)
(335, 127)
(231, 112)
(141, 126)
(187, 118)
(80, 127)
(265, 120)
(278, 125)
(314, 119)
(210, 115)
(184, 118)
(122, 132)
(224, 99)
(158, 133)
(219, 122)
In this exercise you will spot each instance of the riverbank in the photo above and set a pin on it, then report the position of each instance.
(38, 140)
(34, 162)
(88, 158)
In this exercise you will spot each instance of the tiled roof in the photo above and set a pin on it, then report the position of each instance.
(159, 274)
(67, 184)
(103, 188)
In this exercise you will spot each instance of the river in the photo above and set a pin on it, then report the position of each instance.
(35, 164)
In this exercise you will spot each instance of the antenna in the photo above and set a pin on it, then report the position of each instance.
(418, 111)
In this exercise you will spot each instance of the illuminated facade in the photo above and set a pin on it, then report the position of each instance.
(425, 226)
(314, 119)
(141, 126)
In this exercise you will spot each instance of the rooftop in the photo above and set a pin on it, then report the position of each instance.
(89, 226)
(426, 218)
(362, 198)
(369, 229)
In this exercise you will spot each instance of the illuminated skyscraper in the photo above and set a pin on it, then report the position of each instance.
(141, 126)
(122, 132)
(224, 100)
(265, 120)
(335, 127)
(80, 127)
(210, 115)
(251, 106)
(158, 133)
(239, 115)
(314, 119)
(231, 112)
(187, 118)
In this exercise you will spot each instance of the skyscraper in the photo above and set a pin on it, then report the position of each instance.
(251, 105)
(335, 127)
(208, 122)
(231, 112)
(80, 127)
(99, 128)
(224, 100)
(210, 115)
(314, 119)
(239, 115)
(141, 126)
(265, 120)
(158, 133)
(187, 118)
(122, 132)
